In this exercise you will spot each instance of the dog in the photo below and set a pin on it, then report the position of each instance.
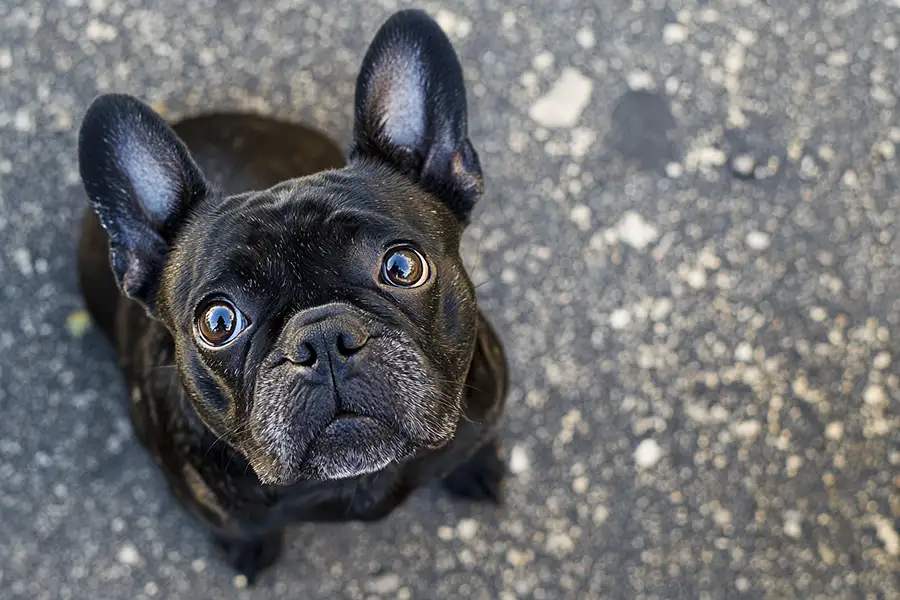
(310, 349)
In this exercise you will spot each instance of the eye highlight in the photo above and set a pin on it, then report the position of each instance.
(219, 322)
(404, 267)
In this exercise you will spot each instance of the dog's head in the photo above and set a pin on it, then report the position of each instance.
(323, 327)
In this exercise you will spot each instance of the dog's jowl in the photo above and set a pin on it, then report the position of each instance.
(299, 336)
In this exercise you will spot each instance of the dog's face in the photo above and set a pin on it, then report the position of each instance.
(324, 327)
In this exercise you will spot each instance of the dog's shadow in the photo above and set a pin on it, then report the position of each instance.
(240, 152)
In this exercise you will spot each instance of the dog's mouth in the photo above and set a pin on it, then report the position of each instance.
(354, 445)
(349, 446)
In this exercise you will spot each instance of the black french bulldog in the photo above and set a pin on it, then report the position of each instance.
(299, 345)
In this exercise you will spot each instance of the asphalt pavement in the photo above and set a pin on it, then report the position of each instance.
(689, 243)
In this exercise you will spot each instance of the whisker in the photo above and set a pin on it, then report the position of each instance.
(485, 282)
(240, 428)
(465, 385)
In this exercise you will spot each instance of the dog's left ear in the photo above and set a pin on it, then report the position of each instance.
(411, 110)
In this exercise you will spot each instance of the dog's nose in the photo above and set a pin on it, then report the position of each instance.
(332, 341)
(332, 338)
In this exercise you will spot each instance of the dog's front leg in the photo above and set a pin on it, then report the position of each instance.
(250, 556)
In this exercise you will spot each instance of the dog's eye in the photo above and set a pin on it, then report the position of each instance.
(404, 267)
(219, 322)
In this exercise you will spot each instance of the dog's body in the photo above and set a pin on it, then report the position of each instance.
(300, 341)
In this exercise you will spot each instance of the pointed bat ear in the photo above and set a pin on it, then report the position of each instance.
(411, 110)
(141, 182)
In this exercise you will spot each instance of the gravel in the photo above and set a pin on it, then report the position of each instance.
(704, 399)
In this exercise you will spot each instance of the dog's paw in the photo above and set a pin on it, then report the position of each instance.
(481, 478)
(251, 557)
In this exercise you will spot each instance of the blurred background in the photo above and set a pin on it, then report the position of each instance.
(689, 243)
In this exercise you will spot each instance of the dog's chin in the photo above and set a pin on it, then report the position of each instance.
(348, 447)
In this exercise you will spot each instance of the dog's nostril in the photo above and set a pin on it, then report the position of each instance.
(348, 344)
(306, 355)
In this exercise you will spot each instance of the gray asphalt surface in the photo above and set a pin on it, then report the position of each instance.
(705, 402)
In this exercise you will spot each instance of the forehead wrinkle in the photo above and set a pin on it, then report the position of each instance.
(276, 241)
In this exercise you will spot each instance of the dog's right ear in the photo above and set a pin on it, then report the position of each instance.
(141, 182)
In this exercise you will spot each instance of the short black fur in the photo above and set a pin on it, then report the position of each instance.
(336, 392)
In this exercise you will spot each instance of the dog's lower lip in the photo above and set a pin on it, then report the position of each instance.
(352, 446)
(343, 420)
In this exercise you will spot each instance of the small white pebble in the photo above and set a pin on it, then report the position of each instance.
(743, 165)
(647, 454)
(581, 215)
(640, 80)
(793, 529)
(818, 314)
(601, 514)
(22, 259)
(893, 134)
(722, 517)
(886, 149)
(240, 581)
(696, 278)
(466, 529)
(747, 429)
(560, 543)
(542, 61)
(674, 33)
(23, 121)
(882, 95)
(758, 240)
(518, 558)
(850, 179)
(98, 31)
(734, 59)
(827, 153)
(838, 58)
(882, 361)
(887, 533)
(384, 584)
(635, 231)
(661, 309)
(874, 396)
(793, 464)
(744, 352)
(445, 533)
(746, 37)
(581, 142)
(834, 431)
(452, 23)
(580, 485)
(619, 318)
(563, 104)
(128, 555)
(674, 170)
(711, 156)
(518, 460)
(584, 37)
